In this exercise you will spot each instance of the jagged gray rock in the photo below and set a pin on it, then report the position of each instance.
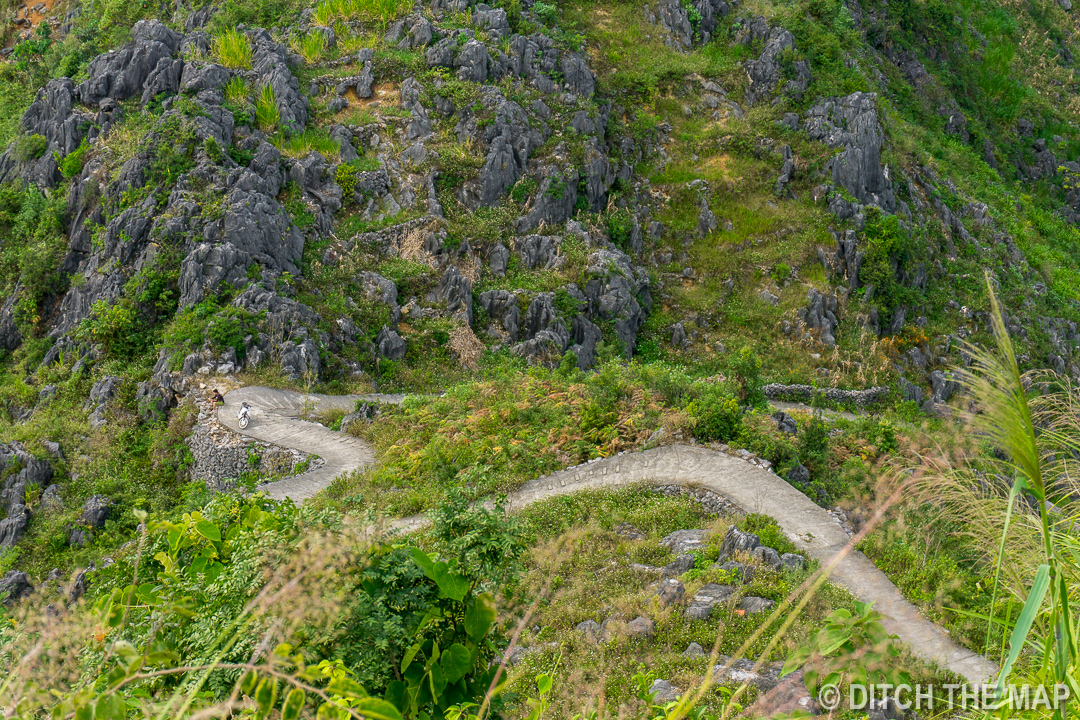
(737, 540)
(851, 123)
(14, 586)
(390, 345)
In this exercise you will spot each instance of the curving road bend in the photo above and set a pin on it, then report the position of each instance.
(275, 417)
(813, 530)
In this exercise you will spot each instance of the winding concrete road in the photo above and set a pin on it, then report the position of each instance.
(275, 418)
(813, 530)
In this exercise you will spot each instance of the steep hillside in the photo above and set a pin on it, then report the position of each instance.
(564, 230)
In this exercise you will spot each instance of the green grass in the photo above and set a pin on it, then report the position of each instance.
(232, 49)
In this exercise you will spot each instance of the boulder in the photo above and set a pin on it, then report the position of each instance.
(390, 345)
(752, 605)
(743, 670)
(641, 628)
(708, 597)
(737, 541)
(684, 541)
(662, 691)
(455, 292)
(121, 73)
(13, 527)
(678, 566)
(102, 394)
(788, 698)
(670, 592)
(793, 562)
(590, 629)
(741, 571)
(785, 423)
(14, 586)
(95, 512)
(694, 651)
(767, 556)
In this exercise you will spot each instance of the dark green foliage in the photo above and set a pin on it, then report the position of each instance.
(746, 364)
(130, 326)
(33, 246)
(30, 147)
(213, 150)
(620, 225)
(487, 543)
(223, 325)
(888, 248)
(717, 415)
(814, 443)
(767, 531)
(72, 164)
(267, 14)
(566, 304)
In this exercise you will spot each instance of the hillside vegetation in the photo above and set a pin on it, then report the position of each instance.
(564, 230)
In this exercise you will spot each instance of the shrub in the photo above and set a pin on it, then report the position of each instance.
(620, 225)
(717, 416)
(71, 165)
(345, 175)
(747, 368)
(232, 49)
(267, 115)
(30, 147)
(814, 444)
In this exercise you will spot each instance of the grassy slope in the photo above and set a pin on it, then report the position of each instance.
(648, 76)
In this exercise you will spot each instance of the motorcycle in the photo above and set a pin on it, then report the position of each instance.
(243, 417)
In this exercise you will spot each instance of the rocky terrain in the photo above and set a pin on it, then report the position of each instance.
(556, 233)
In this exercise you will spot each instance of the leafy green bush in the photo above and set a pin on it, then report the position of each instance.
(71, 165)
(746, 365)
(223, 326)
(767, 531)
(717, 416)
(30, 147)
(620, 224)
(814, 444)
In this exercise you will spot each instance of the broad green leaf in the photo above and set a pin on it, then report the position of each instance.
(347, 688)
(377, 709)
(265, 697)
(110, 707)
(795, 661)
(543, 684)
(327, 711)
(208, 530)
(409, 655)
(480, 616)
(424, 562)
(396, 694)
(294, 703)
(451, 584)
(456, 661)
(1023, 624)
(436, 681)
(248, 682)
(831, 640)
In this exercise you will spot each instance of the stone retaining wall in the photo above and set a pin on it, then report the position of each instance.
(222, 456)
(805, 393)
